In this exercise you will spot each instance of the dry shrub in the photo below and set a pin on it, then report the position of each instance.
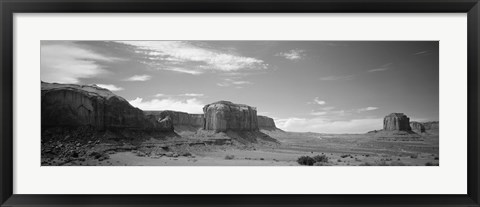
(229, 157)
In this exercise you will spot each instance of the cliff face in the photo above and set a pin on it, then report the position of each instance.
(431, 125)
(265, 122)
(396, 122)
(69, 105)
(179, 118)
(417, 127)
(224, 115)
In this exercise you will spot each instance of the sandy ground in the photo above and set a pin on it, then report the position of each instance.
(341, 150)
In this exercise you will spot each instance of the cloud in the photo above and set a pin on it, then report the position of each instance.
(381, 68)
(332, 114)
(377, 70)
(191, 105)
(322, 125)
(110, 87)
(183, 70)
(67, 62)
(319, 113)
(193, 94)
(425, 52)
(334, 78)
(370, 108)
(328, 108)
(318, 101)
(160, 95)
(327, 112)
(233, 82)
(139, 78)
(294, 55)
(168, 55)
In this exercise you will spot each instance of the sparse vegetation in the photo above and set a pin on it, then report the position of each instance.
(431, 164)
(306, 160)
(414, 156)
(383, 163)
(320, 158)
(229, 157)
(366, 164)
(396, 163)
(322, 164)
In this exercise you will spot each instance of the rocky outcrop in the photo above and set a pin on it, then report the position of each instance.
(222, 116)
(396, 122)
(417, 127)
(70, 105)
(431, 125)
(265, 122)
(179, 118)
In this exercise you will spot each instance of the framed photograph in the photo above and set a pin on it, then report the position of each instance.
(239, 103)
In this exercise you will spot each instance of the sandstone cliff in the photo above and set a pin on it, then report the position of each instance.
(179, 118)
(417, 127)
(431, 125)
(222, 116)
(396, 122)
(70, 105)
(265, 122)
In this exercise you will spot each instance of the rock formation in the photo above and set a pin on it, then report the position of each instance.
(431, 125)
(179, 118)
(70, 105)
(222, 116)
(417, 127)
(265, 122)
(396, 122)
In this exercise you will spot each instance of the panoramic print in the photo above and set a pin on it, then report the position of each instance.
(239, 103)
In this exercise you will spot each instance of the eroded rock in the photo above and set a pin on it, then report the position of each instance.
(179, 118)
(417, 127)
(265, 122)
(396, 122)
(70, 105)
(222, 116)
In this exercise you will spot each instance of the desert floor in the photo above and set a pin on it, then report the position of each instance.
(189, 150)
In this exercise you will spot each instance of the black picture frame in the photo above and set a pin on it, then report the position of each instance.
(10, 7)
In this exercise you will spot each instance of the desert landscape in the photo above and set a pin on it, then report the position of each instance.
(239, 103)
(87, 125)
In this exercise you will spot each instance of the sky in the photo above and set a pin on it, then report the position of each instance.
(305, 86)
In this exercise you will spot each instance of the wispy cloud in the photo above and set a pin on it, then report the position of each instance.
(323, 125)
(295, 54)
(317, 100)
(334, 78)
(328, 112)
(186, 57)
(234, 81)
(139, 78)
(328, 108)
(191, 105)
(67, 62)
(193, 94)
(382, 68)
(110, 87)
(424, 52)
(183, 70)
(160, 95)
(370, 108)
(319, 113)
(335, 113)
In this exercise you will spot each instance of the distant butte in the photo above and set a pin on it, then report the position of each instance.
(396, 122)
